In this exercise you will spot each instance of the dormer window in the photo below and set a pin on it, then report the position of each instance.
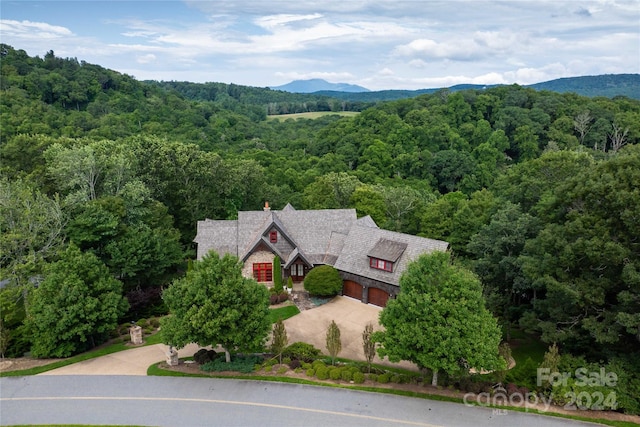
(381, 264)
(385, 253)
(273, 237)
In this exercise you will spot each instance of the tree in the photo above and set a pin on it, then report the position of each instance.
(581, 124)
(334, 343)
(618, 137)
(439, 321)
(496, 249)
(277, 275)
(75, 307)
(280, 339)
(214, 305)
(330, 191)
(323, 280)
(585, 260)
(368, 344)
(31, 226)
(551, 361)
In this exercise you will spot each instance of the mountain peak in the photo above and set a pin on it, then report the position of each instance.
(317, 85)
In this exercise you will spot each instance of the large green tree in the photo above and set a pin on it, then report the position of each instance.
(586, 259)
(439, 321)
(214, 305)
(31, 229)
(497, 250)
(75, 307)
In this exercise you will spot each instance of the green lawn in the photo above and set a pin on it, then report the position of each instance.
(312, 115)
(282, 313)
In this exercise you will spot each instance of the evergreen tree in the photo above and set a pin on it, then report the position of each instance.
(334, 344)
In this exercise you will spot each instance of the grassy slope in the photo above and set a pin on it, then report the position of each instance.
(311, 115)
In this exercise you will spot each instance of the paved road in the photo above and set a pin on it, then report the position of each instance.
(176, 401)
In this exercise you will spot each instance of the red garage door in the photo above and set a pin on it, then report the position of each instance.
(378, 297)
(352, 289)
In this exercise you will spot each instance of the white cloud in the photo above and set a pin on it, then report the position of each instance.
(146, 59)
(32, 30)
(377, 44)
(274, 21)
(328, 76)
(459, 50)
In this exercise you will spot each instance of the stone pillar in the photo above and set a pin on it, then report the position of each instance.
(136, 334)
(172, 357)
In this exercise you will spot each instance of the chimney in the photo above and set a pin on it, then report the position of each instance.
(266, 207)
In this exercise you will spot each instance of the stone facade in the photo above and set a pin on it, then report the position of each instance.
(257, 257)
(362, 252)
(136, 334)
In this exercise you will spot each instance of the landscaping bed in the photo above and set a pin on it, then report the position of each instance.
(321, 372)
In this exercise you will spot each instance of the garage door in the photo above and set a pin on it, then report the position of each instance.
(378, 297)
(352, 289)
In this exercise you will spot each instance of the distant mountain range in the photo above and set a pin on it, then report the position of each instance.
(318, 85)
(607, 85)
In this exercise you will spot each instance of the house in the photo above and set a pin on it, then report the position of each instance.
(369, 259)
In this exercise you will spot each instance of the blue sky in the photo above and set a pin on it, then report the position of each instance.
(381, 44)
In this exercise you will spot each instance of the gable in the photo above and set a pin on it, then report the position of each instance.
(330, 236)
(388, 250)
(362, 242)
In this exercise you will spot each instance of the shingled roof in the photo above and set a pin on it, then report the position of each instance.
(329, 236)
(363, 241)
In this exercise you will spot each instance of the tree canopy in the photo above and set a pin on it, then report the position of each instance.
(439, 321)
(533, 189)
(75, 307)
(214, 305)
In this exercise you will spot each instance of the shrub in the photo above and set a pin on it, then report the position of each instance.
(154, 322)
(290, 282)
(143, 323)
(310, 372)
(124, 329)
(322, 372)
(358, 377)
(317, 363)
(346, 375)
(295, 364)
(323, 280)
(286, 360)
(301, 351)
(383, 379)
(273, 299)
(239, 363)
(268, 368)
(372, 377)
(277, 274)
(282, 370)
(203, 356)
(305, 365)
(270, 362)
(283, 297)
(335, 373)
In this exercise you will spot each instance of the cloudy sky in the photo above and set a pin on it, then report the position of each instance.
(378, 44)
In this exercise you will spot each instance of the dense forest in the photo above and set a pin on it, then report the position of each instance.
(537, 191)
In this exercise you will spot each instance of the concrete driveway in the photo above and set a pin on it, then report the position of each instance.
(128, 362)
(309, 326)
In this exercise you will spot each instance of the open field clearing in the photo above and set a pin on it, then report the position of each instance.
(312, 115)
